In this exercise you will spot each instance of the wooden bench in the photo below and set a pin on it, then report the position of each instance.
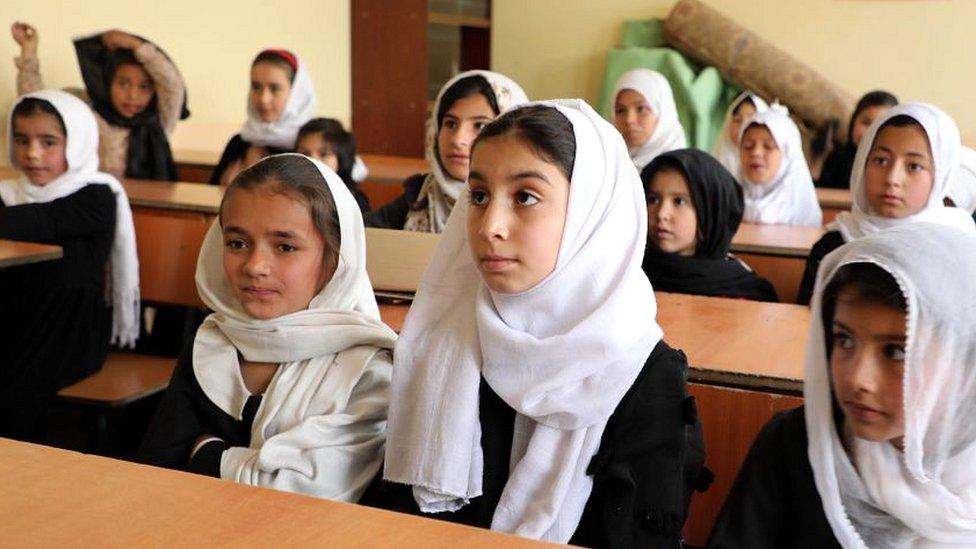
(832, 202)
(777, 253)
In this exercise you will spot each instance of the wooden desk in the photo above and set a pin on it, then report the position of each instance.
(833, 201)
(56, 498)
(14, 253)
(777, 253)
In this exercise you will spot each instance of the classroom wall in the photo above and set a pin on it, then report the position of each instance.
(918, 49)
(212, 42)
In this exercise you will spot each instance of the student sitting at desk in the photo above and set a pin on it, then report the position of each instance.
(837, 168)
(741, 109)
(774, 175)
(906, 164)
(883, 453)
(646, 116)
(325, 140)
(533, 392)
(465, 104)
(135, 90)
(694, 207)
(286, 384)
(55, 327)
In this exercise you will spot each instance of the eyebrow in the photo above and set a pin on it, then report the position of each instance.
(48, 135)
(877, 337)
(526, 174)
(909, 153)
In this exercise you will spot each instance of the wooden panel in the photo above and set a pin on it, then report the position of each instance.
(785, 273)
(56, 498)
(785, 240)
(393, 315)
(13, 253)
(396, 260)
(475, 48)
(194, 173)
(389, 76)
(168, 244)
(380, 194)
(731, 419)
(124, 378)
(188, 197)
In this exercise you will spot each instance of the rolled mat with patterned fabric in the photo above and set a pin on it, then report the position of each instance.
(746, 60)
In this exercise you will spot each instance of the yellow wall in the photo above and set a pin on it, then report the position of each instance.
(211, 41)
(918, 49)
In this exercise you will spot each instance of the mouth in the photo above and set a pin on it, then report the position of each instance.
(864, 413)
(496, 263)
(661, 233)
(891, 200)
(258, 292)
(458, 158)
(755, 166)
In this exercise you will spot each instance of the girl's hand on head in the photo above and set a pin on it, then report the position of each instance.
(115, 39)
(25, 35)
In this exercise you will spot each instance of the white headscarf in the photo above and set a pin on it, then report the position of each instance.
(926, 496)
(943, 137)
(562, 364)
(309, 435)
(439, 188)
(725, 150)
(963, 191)
(81, 152)
(668, 134)
(789, 198)
(299, 109)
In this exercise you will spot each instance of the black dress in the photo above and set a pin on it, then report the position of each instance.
(394, 214)
(827, 243)
(184, 414)
(235, 150)
(836, 172)
(650, 461)
(774, 501)
(55, 323)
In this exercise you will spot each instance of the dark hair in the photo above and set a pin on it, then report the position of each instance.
(341, 143)
(868, 282)
(118, 57)
(901, 121)
(30, 106)
(876, 98)
(746, 99)
(545, 129)
(464, 87)
(276, 59)
(296, 176)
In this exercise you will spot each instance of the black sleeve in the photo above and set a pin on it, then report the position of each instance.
(767, 291)
(836, 171)
(827, 243)
(235, 150)
(88, 212)
(394, 214)
(206, 461)
(176, 424)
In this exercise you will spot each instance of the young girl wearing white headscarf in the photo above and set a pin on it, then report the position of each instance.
(465, 104)
(742, 108)
(778, 192)
(645, 114)
(884, 166)
(286, 384)
(55, 325)
(532, 391)
(882, 454)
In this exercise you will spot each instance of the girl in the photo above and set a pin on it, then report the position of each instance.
(963, 192)
(464, 105)
(742, 108)
(694, 207)
(836, 172)
(882, 455)
(325, 140)
(55, 328)
(905, 166)
(533, 393)
(774, 174)
(136, 92)
(281, 100)
(645, 113)
(286, 384)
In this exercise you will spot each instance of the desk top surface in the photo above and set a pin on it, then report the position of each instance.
(14, 253)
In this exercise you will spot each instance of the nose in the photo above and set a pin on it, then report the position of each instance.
(257, 264)
(896, 173)
(494, 222)
(266, 98)
(631, 116)
(863, 372)
(665, 210)
(34, 149)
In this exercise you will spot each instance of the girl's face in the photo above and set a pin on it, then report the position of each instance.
(672, 221)
(462, 122)
(39, 147)
(867, 367)
(274, 257)
(759, 154)
(634, 118)
(517, 213)
(740, 115)
(899, 172)
(864, 120)
(131, 90)
(313, 145)
(270, 88)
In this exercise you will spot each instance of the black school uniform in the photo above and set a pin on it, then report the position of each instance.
(837, 168)
(184, 414)
(650, 461)
(827, 243)
(394, 214)
(235, 150)
(54, 321)
(774, 502)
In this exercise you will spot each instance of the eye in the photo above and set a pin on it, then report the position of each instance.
(286, 248)
(49, 143)
(478, 197)
(915, 167)
(255, 87)
(896, 352)
(654, 200)
(450, 123)
(879, 161)
(480, 125)
(525, 198)
(620, 111)
(275, 88)
(843, 341)
(680, 201)
(22, 141)
(235, 244)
